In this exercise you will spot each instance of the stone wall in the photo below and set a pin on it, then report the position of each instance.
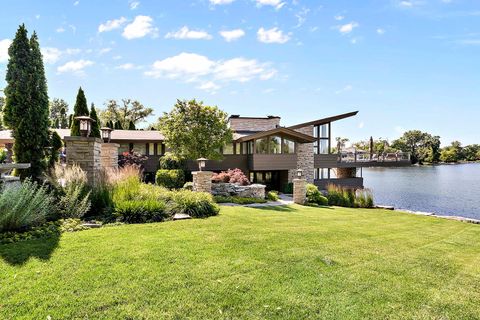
(109, 155)
(202, 181)
(254, 124)
(343, 173)
(299, 191)
(304, 158)
(85, 152)
(231, 189)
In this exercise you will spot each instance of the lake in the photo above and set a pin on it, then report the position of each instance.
(441, 189)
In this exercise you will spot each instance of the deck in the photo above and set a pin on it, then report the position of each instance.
(361, 160)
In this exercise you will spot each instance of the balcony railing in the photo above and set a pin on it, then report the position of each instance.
(352, 157)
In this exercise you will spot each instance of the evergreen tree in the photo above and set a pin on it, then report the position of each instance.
(131, 126)
(55, 145)
(95, 132)
(80, 109)
(56, 124)
(63, 119)
(70, 120)
(118, 125)
(110, 125)
(26, 110)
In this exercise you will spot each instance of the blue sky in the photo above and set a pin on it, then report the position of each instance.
(410, 64)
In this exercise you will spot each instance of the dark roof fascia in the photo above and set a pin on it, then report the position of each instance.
(324, 120)
(299, 137)
(256, 118)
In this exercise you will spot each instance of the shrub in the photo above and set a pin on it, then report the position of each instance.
(231, 176)
(3, 156)
(131, 159)
(170, 162)
(24, 206)
(315, 196)
(140, 211)
(195, 204)
(272, 195)
(188, 186)
(238, 200)
(171, 179)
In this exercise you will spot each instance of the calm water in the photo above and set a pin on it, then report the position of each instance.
(442, 189)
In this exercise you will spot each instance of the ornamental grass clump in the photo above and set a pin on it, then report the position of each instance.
(24, 206)
(346, 197)
(195, 204)
(364, 198)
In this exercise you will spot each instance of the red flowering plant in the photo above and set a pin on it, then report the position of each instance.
(131, 159)
(231, 176)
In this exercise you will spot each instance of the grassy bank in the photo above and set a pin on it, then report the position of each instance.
(285, 262)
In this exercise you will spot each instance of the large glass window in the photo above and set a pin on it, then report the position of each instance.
(275, 145)
(228, 149)
(151, 149)
(288, 146)
(323, 146)
(261, 146)
(321, 173)
(237, 148)
(322, 133)
(160, 149)
(250, 147)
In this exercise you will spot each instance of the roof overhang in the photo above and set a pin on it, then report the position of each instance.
(324, 120)
(294, 135)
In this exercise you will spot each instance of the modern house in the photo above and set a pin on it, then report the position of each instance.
(267, 152)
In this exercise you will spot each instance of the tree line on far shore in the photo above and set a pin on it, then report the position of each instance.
(424, 148)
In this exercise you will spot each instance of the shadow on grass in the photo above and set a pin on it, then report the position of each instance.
(18, 253)
(289, 208)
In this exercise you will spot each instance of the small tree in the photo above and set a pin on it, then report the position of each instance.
(58, 113)
(131, 126)
(55, 145)
(80, 109)
(124, 112)
(95, 132)
(193, 130)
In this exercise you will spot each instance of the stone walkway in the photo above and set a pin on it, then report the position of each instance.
(284, 200)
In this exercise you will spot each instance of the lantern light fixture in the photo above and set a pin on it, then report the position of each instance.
(106, 134)
(85, 125)
(201, 163)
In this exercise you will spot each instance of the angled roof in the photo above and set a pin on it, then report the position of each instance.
(297, 136)
(324, 120)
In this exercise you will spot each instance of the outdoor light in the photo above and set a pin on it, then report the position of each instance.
(201, 163)
(85, 125)
(106, 134)
(299, 173)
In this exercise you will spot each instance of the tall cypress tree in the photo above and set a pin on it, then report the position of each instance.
(26, 110)
(96, 124)
(80, 109)
(131, 126)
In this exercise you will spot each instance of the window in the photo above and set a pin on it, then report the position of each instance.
(261, 146)
(321, 173)
(322, 133)
(275, 144)
(244, 148)
(228, 149)
(160, 148)
(250, 147)
(150, 149)
(323, 146)
(288, 146)
(237, 148)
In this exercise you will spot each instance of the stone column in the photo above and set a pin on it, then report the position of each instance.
(299, 191)
(202, 181)
(109, 155)
(85, 152)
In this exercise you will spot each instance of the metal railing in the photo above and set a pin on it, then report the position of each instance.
(376, 157)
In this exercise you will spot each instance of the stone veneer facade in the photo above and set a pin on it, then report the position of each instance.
(253, 124)
(232, 189)
(299, 191)
(109, 155)
(85, 152)
(202, 181)
(304, 158)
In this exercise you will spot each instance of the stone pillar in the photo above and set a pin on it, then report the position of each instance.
(109, 155)
(299, 191)
(85, 152)
(202, 181)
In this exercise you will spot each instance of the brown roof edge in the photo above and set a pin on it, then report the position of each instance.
(300, 137)
(236, 116)
(324, 120)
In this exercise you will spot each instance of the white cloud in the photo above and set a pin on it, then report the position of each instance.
(273, 35)
(4, 44)
(232, 35)
(134, 5)
(112, 24)
(76, 3)
(104, 50)
(301, 17)
(75, 66)
(347, 88)
(361, 125)
(209, 86)
(117, 57)
(347, 28)
(277, 4)
(72, 51)
(339, 18)
(186, 33)
(60, 29)
(126, 66)
(220, 2)
(51, 55)
(405, 4)
(192, 67)
(381, 31)
(139, 28)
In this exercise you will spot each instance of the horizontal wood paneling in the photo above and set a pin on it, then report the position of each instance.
(231, 161)
(325, 160)
(272, 161)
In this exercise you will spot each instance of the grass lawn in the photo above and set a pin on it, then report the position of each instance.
(270, 263)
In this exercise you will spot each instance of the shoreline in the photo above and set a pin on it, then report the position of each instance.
(430, 214)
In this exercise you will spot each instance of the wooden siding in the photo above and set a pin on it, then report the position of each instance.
(272, 161)
(230, 161)
(325, 161)
(356, 183)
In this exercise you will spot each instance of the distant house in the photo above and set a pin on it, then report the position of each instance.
(266, 151)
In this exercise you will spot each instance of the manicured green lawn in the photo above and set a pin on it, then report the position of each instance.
(283, 263)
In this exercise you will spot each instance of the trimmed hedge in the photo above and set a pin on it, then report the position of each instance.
(171, 179)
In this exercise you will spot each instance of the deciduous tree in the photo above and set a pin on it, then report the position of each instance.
(58, 113)
(128, 110)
